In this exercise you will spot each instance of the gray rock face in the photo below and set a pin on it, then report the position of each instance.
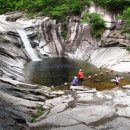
(67, 110)
(109, 51)
(44, 32)
(10, 119)
(116, 123)
(84, 110)
(105, 110)
(12, 59)
(19, 102)
(46, 39)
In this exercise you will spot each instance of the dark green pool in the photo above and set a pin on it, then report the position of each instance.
(57, 71)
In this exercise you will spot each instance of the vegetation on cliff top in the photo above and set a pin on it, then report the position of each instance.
(113, 5)
(60, 9)
(55, 8)
(96, 23)
(126, 16)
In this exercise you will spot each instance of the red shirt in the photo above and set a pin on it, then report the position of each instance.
(81, 75)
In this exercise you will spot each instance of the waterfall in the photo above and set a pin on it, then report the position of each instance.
(31, 52)
(18, 27)
(3, 18)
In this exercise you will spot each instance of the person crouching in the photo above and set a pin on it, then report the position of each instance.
(75, 81)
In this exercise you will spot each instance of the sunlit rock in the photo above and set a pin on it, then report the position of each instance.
(57, 109)
(126, 87)
(124, 111)
(84, 97)
(75, 116)
(119, 123)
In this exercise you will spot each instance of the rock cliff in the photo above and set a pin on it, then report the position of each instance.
(81, 108)
(63, 109)
(12, 57)
(46, 39)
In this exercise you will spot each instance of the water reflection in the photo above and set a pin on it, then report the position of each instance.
(57, 71)
(53, 71)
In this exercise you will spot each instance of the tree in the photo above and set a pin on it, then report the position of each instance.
(126, 17)
(96, 22)
(113, 5)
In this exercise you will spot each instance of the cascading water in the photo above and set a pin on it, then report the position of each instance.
(28, 47)
(3, 18)
(17, 27)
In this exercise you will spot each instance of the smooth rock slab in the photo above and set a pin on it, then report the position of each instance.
(126, 86)
(52, 102)
(85, 97)
(108, 96)
(119, 123)
(19, 101)
(77, 116)
(125, 112)
(122, 101)
(57, 93)
(87, 91)
(78, 88)
(11, 118)
(67, 98)
(73, 127)
(100, 95)
(119, 93)
(56, 101)
(57, 109)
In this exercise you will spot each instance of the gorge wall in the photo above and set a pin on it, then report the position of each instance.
(23, 39)
(46, 40)
(12, 57)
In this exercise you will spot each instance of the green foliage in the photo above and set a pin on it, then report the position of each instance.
(40, 111)
(113, 5)
(59, 8)
(128, 48)
(55, 8)
(126, 17)
(96, 23)
(64, 29)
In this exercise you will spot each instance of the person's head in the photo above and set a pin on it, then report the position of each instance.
(116, 75)
(75, 77)
(80, 69)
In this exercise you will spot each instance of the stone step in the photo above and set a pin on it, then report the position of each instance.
(82, 88)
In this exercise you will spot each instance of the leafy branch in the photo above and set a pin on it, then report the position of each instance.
(96, 23)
